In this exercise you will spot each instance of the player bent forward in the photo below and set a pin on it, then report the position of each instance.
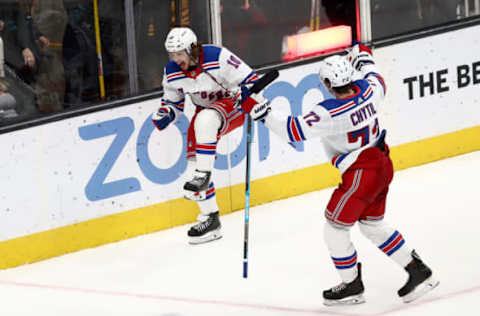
(212, 76)
(348, 125)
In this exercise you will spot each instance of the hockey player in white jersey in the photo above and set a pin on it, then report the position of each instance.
(351, 134)
(212, 77)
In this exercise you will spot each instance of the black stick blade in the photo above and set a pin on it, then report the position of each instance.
(264, 81)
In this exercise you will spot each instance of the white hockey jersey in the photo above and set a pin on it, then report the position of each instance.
(228, 72)
(347, 126)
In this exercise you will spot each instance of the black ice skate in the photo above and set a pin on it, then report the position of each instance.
(196, 189)
(346, 293)
(420, 280)
(207, 230)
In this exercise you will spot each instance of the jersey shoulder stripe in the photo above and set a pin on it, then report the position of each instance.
(176, 76)
(211, 65)
(362, 84)
(211, 56)
(173, 72)
(172, 68)
(211, 53)
(339, 106)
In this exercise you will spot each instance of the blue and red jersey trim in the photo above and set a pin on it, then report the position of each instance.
(206, 149)
(294, 130)
(351, 105)
(345, 262)
(210, 192)
(179, 104)
(175, 76)
(208, 60)
(392, 244)
(338, 159)
(251, 78)
(380, 78)
(211, 65)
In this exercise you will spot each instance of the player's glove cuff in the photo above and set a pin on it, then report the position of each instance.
(163, 117)
(256, 106)
(359, 56)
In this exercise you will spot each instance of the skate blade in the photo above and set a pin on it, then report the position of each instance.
(351, 300)
(211, 236)
(422, 289)
(195, 196)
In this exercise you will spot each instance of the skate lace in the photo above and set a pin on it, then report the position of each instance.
(198, 178)
(339, 287)
(201, 226)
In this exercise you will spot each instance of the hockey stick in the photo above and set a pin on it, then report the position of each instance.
(257, 87)
(264, 81)
(247, 199)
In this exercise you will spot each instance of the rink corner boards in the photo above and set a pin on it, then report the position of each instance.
(100, 231)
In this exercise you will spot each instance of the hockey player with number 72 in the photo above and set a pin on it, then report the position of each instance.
(217, 83)
(353, 140)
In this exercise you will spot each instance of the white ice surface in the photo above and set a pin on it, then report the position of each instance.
(434, 206)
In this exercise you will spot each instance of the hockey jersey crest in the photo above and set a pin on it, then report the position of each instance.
(218, 76)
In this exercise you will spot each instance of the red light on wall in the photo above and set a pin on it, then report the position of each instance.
(316, 42)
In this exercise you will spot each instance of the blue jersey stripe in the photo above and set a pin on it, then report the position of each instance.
(389, 240)
(394, 249)
(290, 135)
(250, 75)
(176, 78)
(205, 152)
(340, 159)
(345, 258)
(346, 267)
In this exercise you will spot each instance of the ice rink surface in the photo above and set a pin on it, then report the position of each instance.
(434, 206)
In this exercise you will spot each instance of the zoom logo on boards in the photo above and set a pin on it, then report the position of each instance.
(98, 188)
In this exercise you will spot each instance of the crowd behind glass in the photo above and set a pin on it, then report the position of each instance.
(66, 54)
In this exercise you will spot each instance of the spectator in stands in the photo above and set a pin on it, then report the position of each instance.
(79, 55)
(18, 34)
(21, 55)
(50, 18)
(7, 103)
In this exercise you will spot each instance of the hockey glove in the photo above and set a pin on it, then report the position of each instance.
(359, 56)
(256, 106)
(163, 117)
(241, 94)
